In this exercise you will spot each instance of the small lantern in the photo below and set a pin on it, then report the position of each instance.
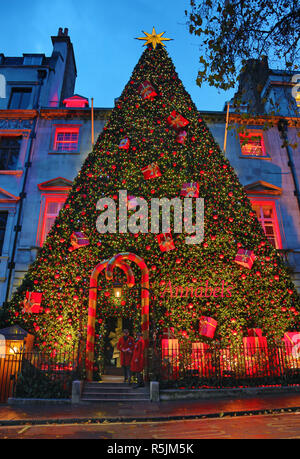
(16, 340)
(117, 289)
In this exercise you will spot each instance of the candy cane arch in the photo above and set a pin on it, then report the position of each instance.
(90, 340)
(144, 292)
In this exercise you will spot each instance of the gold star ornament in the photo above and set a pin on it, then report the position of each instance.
(153, 38)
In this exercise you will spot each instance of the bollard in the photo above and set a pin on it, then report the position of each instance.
(154, 391)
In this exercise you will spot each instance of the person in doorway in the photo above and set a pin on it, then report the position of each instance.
(137, 361)
(125, 346)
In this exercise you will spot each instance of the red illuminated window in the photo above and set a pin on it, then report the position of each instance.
(66, 139)
(266, 214)
(252, 144)
(76, 101)
(51, 209)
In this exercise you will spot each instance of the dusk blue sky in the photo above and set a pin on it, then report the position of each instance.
(102, 33)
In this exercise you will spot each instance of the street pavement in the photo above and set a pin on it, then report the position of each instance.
(267, 415)
(165, 410)
(265, 426)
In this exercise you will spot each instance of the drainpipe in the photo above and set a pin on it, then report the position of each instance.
(11, 265)
(283, 131)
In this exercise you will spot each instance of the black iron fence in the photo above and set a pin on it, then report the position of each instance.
(193, 365)
(40, 375)
(182, 365)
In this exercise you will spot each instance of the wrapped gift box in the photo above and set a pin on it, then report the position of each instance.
(201, 359)
(32, 302)
(168, 333)
(256, 355)
(170, 358)
(78, 240)
(131, 202)
(151, 171)
(177, 121)
(190, 190)
(207, 326)
(181, 137)
(245, 258)
(254, 332)
(165, 242)
(254, 345)
(146, 90)
(124, 144)
(292, 344)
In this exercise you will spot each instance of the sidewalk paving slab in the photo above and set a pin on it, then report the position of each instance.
(15, 414)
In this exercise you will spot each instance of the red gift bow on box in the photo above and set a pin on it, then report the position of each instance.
(166, 242)
(244, 257)
(181, 137)
(32, 302)
(204, 322)
(146, 90)
(256, 332)
(152, 171)
(131, 202)
(190, 190)
(78, 240)
(177, 121)
(295, 343)
(124, 144)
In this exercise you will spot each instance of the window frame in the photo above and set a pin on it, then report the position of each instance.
(275, 223)
(253, 133)
(11, 136)
(59, 128)
(47, 198)
(20, 89)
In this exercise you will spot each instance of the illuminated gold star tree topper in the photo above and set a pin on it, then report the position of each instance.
(154, 38)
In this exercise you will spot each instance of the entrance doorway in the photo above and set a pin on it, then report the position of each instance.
(114, 331)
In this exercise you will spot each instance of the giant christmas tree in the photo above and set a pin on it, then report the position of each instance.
(155, 145)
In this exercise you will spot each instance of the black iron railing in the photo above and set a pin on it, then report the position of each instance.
(183, 365)
(194, 365)
(40, 375)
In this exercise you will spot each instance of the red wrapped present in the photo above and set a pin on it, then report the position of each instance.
(207, 326)
(190, 190)
(165, 242)
(124, 144)
(131, 202)
(170, 358)
(78, 240)
(292, 343)
(201, 359)
(254, 332)
(168, 333)
(181, 137)
(146, 90)
(151, 171)
(245, 258)
(177, 121)
(254, 344)
(32, 302)
(256, 355)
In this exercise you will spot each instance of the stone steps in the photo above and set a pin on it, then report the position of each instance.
(113, 392)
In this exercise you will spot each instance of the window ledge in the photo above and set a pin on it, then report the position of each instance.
(52, 152)
(18, 173)
(265, 158)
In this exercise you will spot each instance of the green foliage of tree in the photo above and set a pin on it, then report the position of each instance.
(233, 31)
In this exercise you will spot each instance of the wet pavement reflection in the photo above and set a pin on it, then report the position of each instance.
(149, 410)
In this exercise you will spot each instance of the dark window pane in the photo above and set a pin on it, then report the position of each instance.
(3, 220)
(9, 152)
(20, 98)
